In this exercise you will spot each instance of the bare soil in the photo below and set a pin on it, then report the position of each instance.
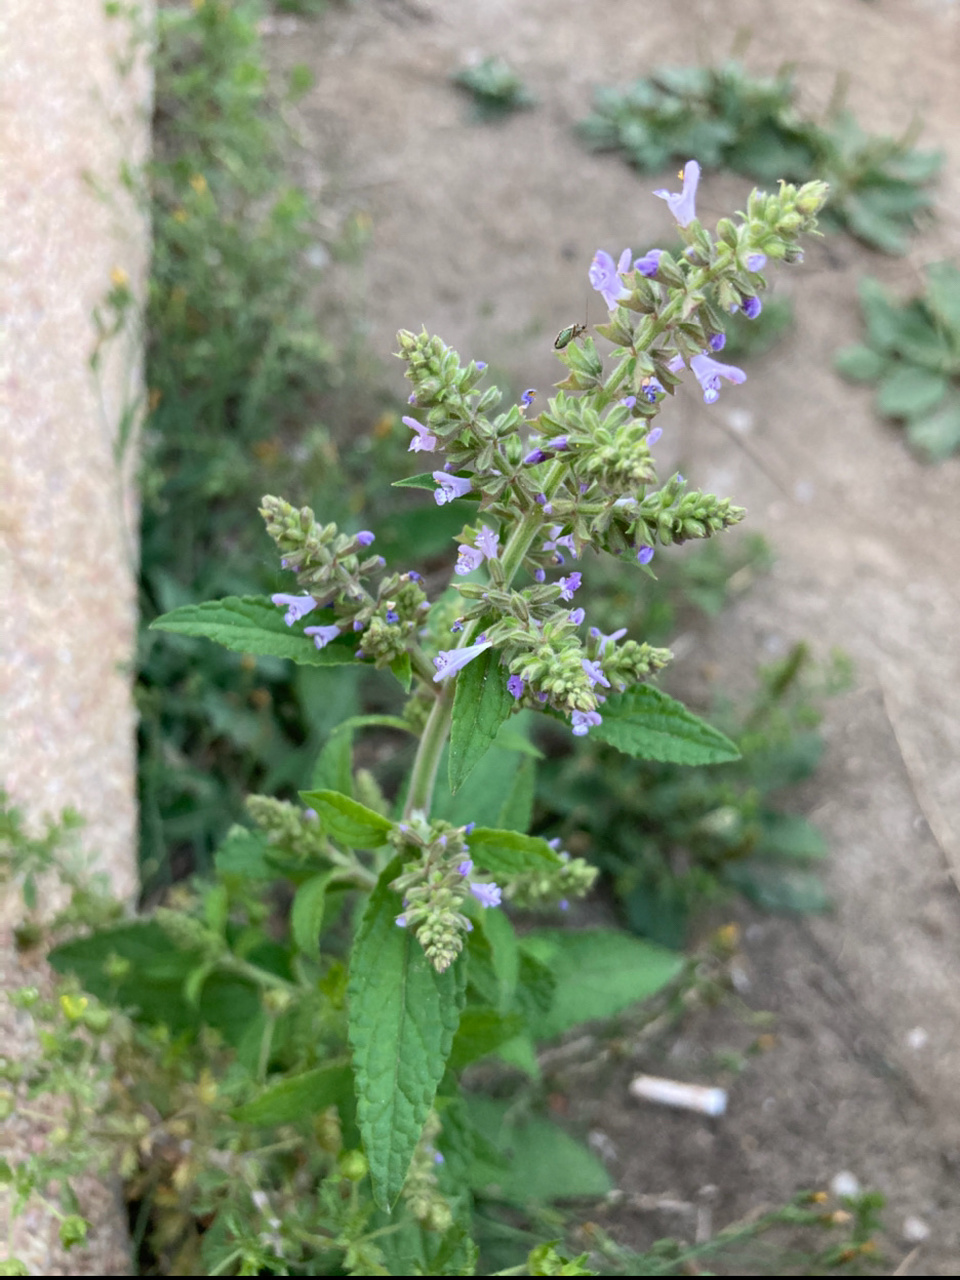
(484, 234)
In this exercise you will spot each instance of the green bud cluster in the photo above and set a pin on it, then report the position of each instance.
(288, 827)
(432, 888)
(420, 1191)
(326, 562)
(547, 888)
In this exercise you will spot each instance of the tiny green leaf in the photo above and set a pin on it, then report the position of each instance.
(647, 723)
(481, 703)
(510, 853)
(909, 392)
(306, 914)
(938, 434)
(402, 669)
(251, 624)
(402, 1019)
(860, 364)
(347, 820)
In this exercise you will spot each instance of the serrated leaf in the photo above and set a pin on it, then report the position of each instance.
(347, 820)
(598, 972)
(251, 624)
(306, 914)
(937, 435)
(909, 392)
(482, 1031)
(481, 704)
(403, 670)
(646, 723)
(859, 364)
(298, 1097)
(403, 1016)
(542, 1163)
(510, 853)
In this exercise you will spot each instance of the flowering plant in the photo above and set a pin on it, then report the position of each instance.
(437, 976)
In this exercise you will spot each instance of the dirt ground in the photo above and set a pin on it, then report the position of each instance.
(484, 234)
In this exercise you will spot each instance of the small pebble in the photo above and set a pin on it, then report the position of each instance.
(845, 1184)
(915, 1230)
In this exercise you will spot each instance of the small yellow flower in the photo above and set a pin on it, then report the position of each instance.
(119, 278)
(73, 1006)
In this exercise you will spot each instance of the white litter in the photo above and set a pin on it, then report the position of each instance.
(673, 1093)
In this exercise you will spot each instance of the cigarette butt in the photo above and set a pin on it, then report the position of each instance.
(673, 1093)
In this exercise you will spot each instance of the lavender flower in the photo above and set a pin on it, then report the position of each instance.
(604, 276)
(488, 542)
(488, 895)
(481, 365)
(654, 435)
(392, 616)
(529, 395)
(576, 616)
(582, 720)
(594, 673)
(424, 438)
(468, 559)
(652, 387)
(450, 487)
(322, 635)
(449, 661)
(676, 363)
(649, 263)
(709, 372)
(752, 308)
(438, 1158)
(565, 541)
(297, 606)
(644, 554)
(357, 624)
(515, 687)
(540, 575)
(365, 537)
(533, 457)
(629, 402)
(597, 634)
(682, 205)
(569, 585)
(400, 921)
(547, 506)
(469, 828)
(717, 341)
(414, 576)
(756, 261)
(465, 867)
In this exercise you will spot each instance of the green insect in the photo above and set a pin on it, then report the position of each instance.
(568, 335)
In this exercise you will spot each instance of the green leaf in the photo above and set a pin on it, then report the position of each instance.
(778, 887)
(482, 1030)
(482, 796)
(481, 704)
(510, 853)
(541, 1162)
(938, 435)
(943, 294)
(244, 855)
(403, 1016)
(306, 914)
(787, 835)
(403, 670)
(859, 364)
(647, 723)
(881, 316)
(333, 770)
(909, 392)
(516, 811)
(251, 624)
(598, 972)
(424, 480)
(298, 1097)
(347, 820)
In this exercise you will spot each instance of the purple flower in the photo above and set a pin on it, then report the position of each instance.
(481, 365)
(449, 661)
(604, 276)
(675, 363)
(652, 387)
(297, 606)
(717, 341)
(450, 487)
(458, 625)
(649, 263)
(322, 635)
(682, 205)
(468, 828)
(547, 506)
(644, 554)
(311, 815)
(529, 395)
(654, 435)
(365, 537)
(576, 616)
(582, 720)
(540, 575)
(400, 921)
(438, 1158)
(563, 904)
(392, 616)
(565, 541)
(468, 559)
(752, 307)
(414, 576)
(465, 867)
(515, 687)
(569, 585)
(357, 624)
(424, 438)
(533, 457)
(560, 443)
(594, 673)
(488, 542)
(756, 261)
(488, 895)
(614, 635)
(709, 372)
(629, 402)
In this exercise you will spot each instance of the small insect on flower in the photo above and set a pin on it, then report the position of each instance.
(568, 335)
